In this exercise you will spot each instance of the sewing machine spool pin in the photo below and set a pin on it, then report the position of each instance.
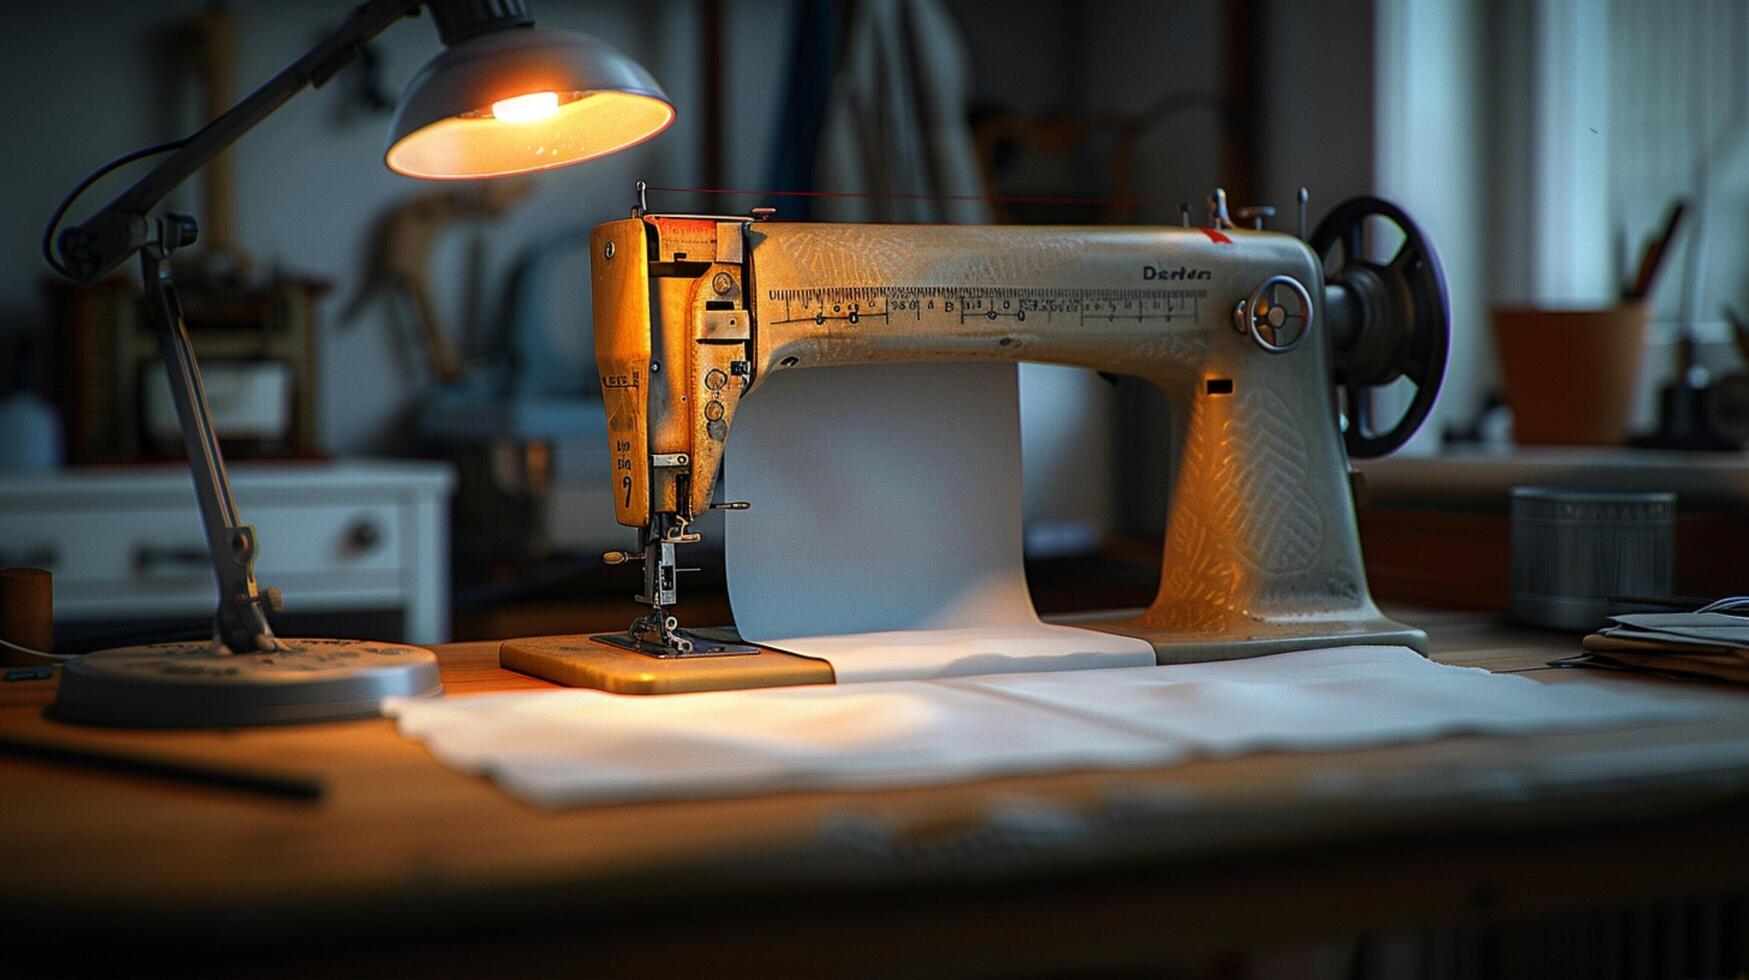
(1217, 205)
(1256, 214)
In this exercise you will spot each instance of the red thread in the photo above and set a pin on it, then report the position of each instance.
(1216, 236)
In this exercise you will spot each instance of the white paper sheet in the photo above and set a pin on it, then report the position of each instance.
(887, 499)
(568, 748)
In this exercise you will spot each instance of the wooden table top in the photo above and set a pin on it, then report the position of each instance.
(1196, 853)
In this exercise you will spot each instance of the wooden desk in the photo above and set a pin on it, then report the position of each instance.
(408, 865)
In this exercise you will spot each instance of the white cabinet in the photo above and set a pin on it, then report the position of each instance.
(126, 542)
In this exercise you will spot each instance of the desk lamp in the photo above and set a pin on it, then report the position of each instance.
(503, 97)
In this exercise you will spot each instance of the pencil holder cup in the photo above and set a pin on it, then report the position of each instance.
(1570, 375)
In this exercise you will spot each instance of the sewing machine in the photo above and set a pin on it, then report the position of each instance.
(1247, 332)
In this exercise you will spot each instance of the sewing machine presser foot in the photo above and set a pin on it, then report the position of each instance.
(660, 635)
(697, 643)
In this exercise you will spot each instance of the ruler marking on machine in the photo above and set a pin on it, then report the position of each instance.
(854, 304)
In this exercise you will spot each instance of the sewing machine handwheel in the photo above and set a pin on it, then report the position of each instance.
(1399, 320)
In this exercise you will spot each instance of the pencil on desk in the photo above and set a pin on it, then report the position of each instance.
(288, 785)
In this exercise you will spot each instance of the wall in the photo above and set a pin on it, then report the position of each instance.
(1430, 152)
(1680, 77)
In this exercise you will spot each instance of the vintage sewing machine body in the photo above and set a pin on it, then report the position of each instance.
(1239, 328)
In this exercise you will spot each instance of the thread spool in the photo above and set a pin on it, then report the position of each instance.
(27, 614)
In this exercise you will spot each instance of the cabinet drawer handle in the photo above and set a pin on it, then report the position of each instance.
(364, 535)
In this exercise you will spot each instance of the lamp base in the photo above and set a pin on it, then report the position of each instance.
(192, 685)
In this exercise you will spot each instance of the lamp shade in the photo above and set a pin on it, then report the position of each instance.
(520, 100)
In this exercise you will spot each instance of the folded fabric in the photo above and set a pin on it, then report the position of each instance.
(563, 748)
(567, 748)
(1347, 697)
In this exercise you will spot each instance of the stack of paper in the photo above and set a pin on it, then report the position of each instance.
(1710, 642)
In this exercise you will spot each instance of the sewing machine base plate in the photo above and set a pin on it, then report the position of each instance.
(581, 660)
(595, 661)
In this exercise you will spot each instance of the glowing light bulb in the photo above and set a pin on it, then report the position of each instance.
(532, 107)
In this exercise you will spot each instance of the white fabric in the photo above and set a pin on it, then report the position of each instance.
(564, 748)
(884, 535)
(568, 748)
(1347, 697)
(935, 653)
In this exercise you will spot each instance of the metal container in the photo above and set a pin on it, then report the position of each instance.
(1572, 549)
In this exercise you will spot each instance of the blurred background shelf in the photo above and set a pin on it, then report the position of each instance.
(1436, 532)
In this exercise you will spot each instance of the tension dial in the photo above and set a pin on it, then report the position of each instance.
(1277, 314)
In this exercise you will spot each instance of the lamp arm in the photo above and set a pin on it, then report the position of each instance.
(103, 241)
